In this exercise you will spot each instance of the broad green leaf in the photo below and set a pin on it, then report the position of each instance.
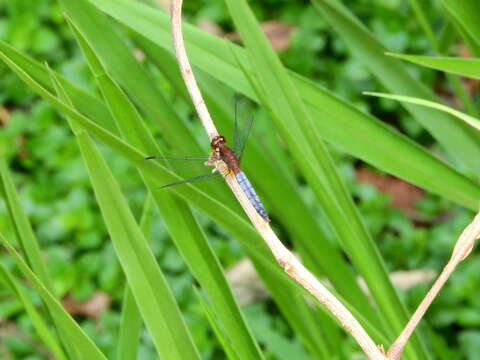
(338, 121)
(153, 296)
(298, 130)
(470, 120)
(179, 220)
(38, 322)
(460, 142)
(460, 66)
(82, 345)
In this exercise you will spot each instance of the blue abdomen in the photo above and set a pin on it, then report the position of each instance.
(251, 195)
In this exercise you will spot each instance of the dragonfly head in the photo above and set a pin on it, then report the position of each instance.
(217, 141)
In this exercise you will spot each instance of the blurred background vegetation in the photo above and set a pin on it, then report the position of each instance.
(414, 230)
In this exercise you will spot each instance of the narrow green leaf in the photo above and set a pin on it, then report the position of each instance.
(265, 172)
(470, 120)
(82, 344)
(217, 210)
(38, 322)
(460, 142)
(184, 229)
(26, 237)
(312, 157)
(424, 23)
(221, 336)
(117, 57)
(460, 66)
(131, 321)
(89, 104)
(153, 296)
(28, 241)
(338, 121)
(275, 279)
(465, 12)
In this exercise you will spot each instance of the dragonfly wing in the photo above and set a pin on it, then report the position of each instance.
(242, 137)
(209, 176)
(168, 158)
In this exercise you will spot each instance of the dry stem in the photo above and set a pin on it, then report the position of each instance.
(186, 70)
(284, 257)
(462, 249)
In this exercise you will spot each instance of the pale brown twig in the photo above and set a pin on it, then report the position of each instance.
(462, 248)
(284, 257)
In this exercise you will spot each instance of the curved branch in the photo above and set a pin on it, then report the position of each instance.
(462, 249)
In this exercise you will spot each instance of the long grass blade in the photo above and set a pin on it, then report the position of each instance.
(470, 120)
(38, 322)
(340, 122)
(153, 296)
(83, 346)
(185, 231)
(460, 66)
(459, 141)
(306, 145)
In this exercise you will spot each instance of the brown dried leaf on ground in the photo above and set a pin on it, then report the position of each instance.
(211, 27)
(91, 308)
(4, 116)
(248, 288)
(277, 32)
(404, 195)
(472, 84)
(165, 5)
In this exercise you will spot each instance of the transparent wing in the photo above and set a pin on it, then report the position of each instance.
(241, 136)
(187, 167)
(167, 158)
(210, 176)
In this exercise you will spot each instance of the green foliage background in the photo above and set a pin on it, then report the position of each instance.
(56, 194)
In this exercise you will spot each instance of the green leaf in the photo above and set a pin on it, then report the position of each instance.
(89, 104)
(38, 322)
(338, 121)
(82, 345)
(26, 237)
(424, 23)
(113, 52)
(153, 296)
(217, 329)
(460, 66)
(217, 210)
(456, 138)
(465, 12)
(266, 175)
(185, 231)
(470, 120)
(297, 128)
(131, 321)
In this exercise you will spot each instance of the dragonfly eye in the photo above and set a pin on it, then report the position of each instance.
(217, 141)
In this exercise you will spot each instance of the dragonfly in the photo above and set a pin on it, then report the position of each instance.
(231, 157)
